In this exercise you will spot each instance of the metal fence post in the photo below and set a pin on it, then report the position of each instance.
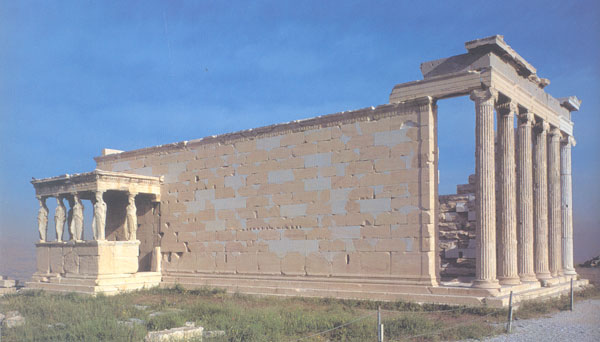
(510, 313)
(571, 294)
(379, 334)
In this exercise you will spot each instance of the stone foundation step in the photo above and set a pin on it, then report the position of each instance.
(324, 283)
(336, 293)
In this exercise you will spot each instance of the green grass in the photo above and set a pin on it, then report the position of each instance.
(72, 317)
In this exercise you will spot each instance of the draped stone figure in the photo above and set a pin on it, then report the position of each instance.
(42, 219)
(131, 219)
(70, 219)
(77, 220)
(99, 221)
(60, 216)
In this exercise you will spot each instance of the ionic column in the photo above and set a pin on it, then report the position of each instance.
(507, 246)
(42, 218)
(99, 221)
(567, 210)
(485, 268)
(554, 203)
(525, 209)
(540, 202)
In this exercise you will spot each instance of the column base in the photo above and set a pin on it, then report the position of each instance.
(543, 275)
(528, 278)
(570, 272)
(486, 284)
(509, 281)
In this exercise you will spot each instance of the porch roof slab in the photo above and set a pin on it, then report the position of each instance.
(97, 180)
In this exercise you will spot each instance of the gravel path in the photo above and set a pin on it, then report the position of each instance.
(582, 325)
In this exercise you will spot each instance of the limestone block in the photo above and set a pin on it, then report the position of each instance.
(317, 184)
(120, 265)
(364, 245)
(345, 263)
(381, 232)
(269, 263)
(205, 262)
(304, 149)
(88, 264)
(269, 234)
(280, 153)
(318, 234)
(225, 262)
(6, 283)
(247, 262)
(320, 160)
(360, 141)
(390, 245)
(293, 264)
(71, 261)
(294, 234)
(293, 210)
(247, 235)
(56, 260)
(187, 262)
(317, 265)
(43, 259)
(374, 153)
(318, 135)
(176, 334)
(375, 263)
(226, 235)
(461, 207)
(293, 139)
(280, 176)
(407, 264)
(330, 145)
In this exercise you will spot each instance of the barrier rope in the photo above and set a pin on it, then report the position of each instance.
(399, 312)
(438, 331)
(335, 328)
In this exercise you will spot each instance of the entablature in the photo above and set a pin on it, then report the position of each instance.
(97, 180)
(491, 63)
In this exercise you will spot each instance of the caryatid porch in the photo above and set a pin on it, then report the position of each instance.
(110, 260)
(523, 180)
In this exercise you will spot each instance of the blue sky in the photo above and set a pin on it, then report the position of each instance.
(79, 76)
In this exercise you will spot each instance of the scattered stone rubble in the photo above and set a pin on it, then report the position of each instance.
(11, 319)
(457, 231)
(176, 334)
(8, 285)
(594, 262)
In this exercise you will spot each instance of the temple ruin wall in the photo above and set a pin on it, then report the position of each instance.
(351, 194)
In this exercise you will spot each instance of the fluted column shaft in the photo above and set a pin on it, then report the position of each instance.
(507, 211)
(554, 203)
(567, 210)
(540, 203)
(485, 267)
(525, 209)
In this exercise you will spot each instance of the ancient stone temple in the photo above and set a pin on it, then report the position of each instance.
(343, 205)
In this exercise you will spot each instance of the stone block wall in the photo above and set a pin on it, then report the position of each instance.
(347, 194)
(87, 258)
(457, 231)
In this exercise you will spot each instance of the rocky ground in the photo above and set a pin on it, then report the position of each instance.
(582, 325)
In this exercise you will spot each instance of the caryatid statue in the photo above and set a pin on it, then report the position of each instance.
(77, 220)
(60, 216)
(42, 218)
(131, 219)
(99, 221)
(70, 219)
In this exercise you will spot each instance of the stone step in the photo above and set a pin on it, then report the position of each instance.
(339, 293)
(353, 284)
